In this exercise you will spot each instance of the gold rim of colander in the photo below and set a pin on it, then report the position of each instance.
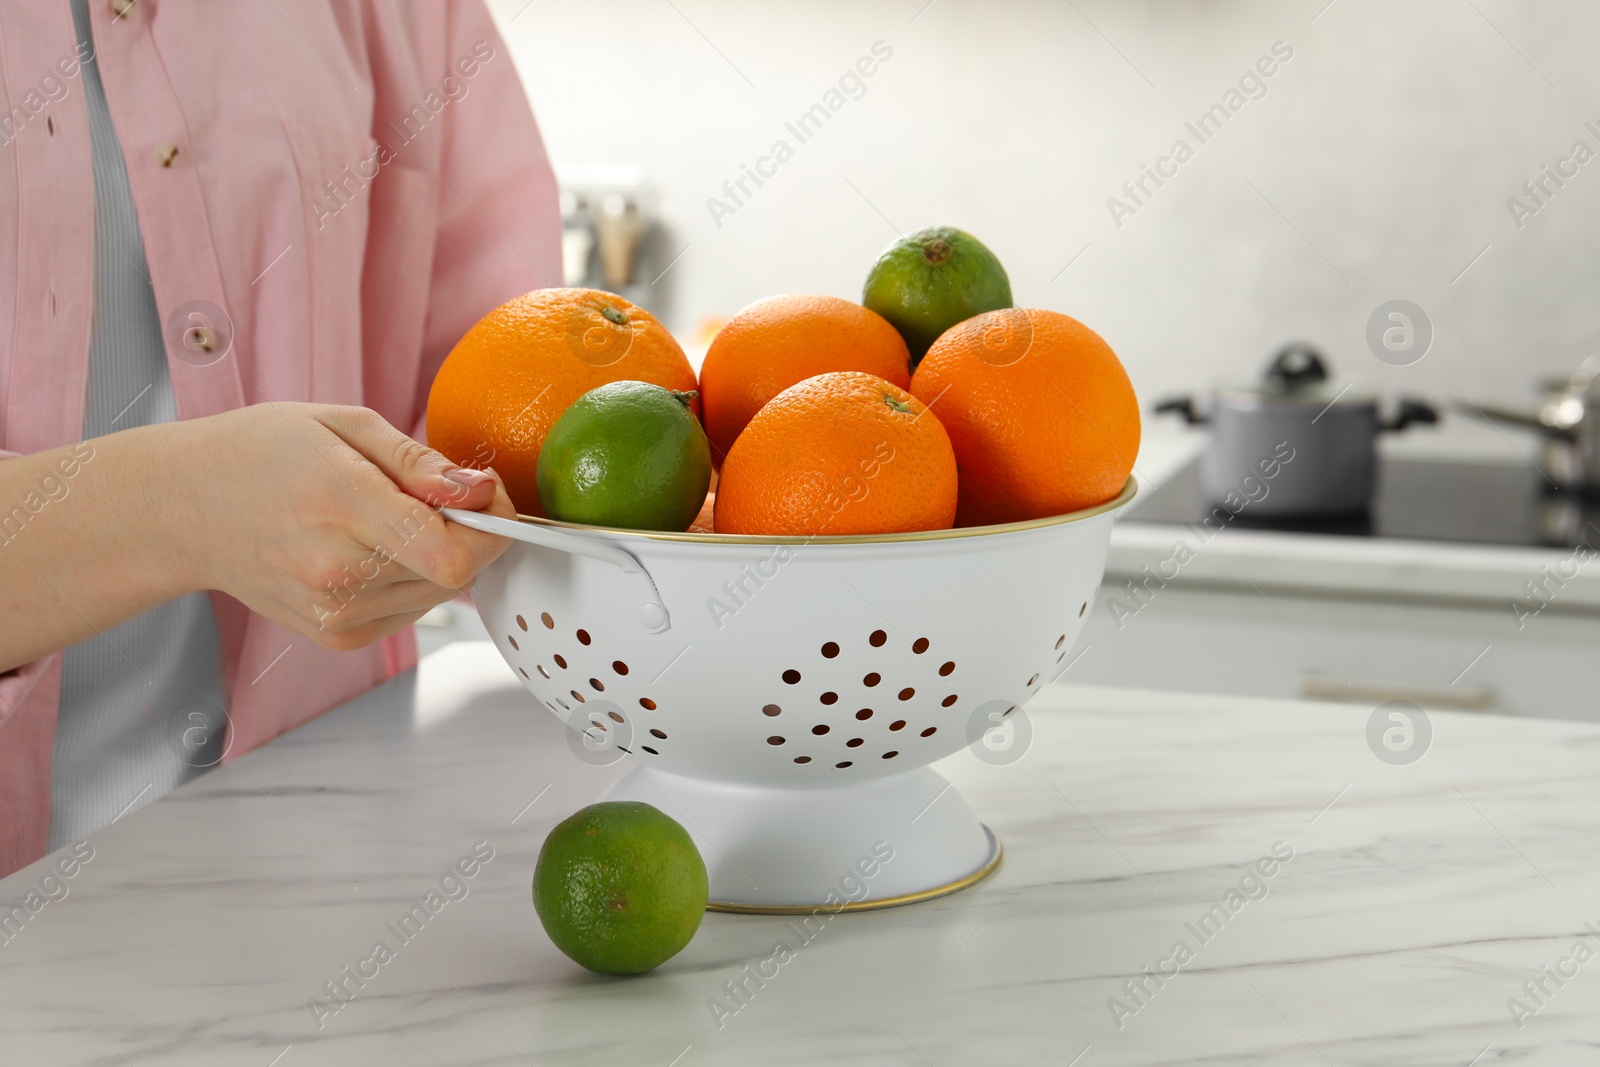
(1129, 489)
(992, 864)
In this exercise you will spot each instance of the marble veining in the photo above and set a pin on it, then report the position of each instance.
(1417, 903)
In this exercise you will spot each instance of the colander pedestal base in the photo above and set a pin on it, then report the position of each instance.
(877, 844)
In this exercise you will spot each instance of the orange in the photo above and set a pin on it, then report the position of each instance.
(512, 375)
(781, 340)
(840, 453)
(1040, 412)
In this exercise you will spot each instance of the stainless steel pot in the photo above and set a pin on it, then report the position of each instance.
(1296, 445)
(1569, 418)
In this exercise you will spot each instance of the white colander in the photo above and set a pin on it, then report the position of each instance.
(783, 697)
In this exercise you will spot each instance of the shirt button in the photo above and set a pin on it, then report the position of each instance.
(120, 8)
(165, 152)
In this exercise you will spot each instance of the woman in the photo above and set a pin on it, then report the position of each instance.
(238, 241)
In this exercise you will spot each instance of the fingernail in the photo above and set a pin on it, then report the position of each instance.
(466, 479)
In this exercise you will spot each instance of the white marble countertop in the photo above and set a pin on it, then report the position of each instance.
(1418, 901)
(1388, 569)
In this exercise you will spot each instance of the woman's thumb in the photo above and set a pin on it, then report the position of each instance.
(415, 468)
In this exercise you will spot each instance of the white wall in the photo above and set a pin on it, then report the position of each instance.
(1391, 141)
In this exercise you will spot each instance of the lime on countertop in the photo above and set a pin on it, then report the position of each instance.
(620, 887)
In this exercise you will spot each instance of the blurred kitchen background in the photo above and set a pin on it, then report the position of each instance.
(1439, 152)
(1376, 166)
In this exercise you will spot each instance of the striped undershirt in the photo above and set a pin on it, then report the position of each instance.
(142, 704)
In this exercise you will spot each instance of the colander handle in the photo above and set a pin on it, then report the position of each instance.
(647, 604)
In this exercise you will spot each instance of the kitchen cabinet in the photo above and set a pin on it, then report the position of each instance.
(1277, 643)
(1477, 627)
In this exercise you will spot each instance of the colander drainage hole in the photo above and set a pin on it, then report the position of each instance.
(577, 696)
(947, 668)
(831, 649)
(650, 750)
(1083, 609)
(855, 742)
(907, 693)
(771, 710)
(920, 645)
(619, 666)
(583, 637)
(802, 759)
(898, 724)
(522, 623)
(820, 729)
(877, 639)
(525, 674)
(872, 679)
(647, 704)
(890, 755)
(791, 676)
(842, 764)
(564, 705)
(1061, 640)
(616, 716)
(774, 740)
(549, 623)
(513, 641)
(1035, 678)
(599, 686)
(947, 701)
(830, 698)
(543, 671)
(864, 714)
(930, 731)
(561, 661)
(658, 733)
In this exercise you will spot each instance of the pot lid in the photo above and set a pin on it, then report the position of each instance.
(1298, 374)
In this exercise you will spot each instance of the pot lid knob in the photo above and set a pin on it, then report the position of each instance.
(1296, 366)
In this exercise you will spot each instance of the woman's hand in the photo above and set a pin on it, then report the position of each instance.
(318, 517)
(323, 519)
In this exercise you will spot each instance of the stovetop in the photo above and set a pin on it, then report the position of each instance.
(1421, 500)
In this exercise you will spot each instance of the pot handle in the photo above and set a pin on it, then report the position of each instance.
(1184, 406)
(1411, 411)
(1526, 420)
(647, 605)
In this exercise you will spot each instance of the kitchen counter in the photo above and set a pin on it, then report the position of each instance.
(1403, 908)
(1364, 567)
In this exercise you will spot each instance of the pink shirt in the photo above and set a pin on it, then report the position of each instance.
(354, 182)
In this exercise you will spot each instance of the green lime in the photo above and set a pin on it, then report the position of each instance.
(928, 281)
(627, 454)
(620, 887)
